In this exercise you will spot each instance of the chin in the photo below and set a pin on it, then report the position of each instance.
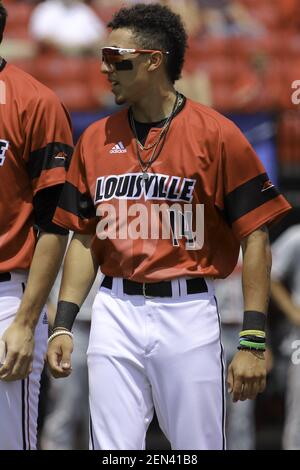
(120, 100)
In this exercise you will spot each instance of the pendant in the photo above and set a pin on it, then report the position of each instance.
(145, 176)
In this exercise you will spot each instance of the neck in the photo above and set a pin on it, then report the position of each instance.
(155, 106)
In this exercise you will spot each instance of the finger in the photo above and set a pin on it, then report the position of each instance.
(66, 359)
(18, 373)
(60, 374)
(230, 379)
(8, 365)
(237, 389)
(21, 367)
(58, 371)
(249, 391)
(262, 385)
(53, 359)
(30, 367)
(54, 362)
(54, 355)
(254, 389)
(2, 352)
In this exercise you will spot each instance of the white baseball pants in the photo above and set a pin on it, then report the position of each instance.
(162, 353)
(19, 399)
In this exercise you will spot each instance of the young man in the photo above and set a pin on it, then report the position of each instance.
(35, 147)
(161, 196)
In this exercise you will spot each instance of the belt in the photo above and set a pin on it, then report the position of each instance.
(156, 289)
(4, 277)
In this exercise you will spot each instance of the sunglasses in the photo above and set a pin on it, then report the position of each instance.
(111, 55)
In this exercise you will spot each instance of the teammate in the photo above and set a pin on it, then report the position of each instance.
(161, 195)
(286, 271)
(35, 146)
(66, 422)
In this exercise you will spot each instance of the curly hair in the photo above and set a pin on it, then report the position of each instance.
(3, 16)
(156, 27)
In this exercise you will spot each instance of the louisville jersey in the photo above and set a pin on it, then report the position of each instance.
(186, 215)
(35, 146)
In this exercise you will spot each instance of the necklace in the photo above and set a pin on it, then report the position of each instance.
(158, 144)
(149, 147)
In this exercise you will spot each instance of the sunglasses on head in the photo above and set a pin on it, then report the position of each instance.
(115, 54)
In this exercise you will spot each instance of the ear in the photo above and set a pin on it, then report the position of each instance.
(155, 61)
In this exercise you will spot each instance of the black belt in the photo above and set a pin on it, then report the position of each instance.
(4, 277)
(156, 289)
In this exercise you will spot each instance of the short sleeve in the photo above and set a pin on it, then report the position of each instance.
(244, 192)
(49, 142)
(76, 210)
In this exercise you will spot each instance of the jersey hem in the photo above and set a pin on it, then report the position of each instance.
(265, 220)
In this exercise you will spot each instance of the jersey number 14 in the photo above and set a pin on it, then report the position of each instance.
(4, 144)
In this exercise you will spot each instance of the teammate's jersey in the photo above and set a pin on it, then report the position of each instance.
(35, 145)
(207, 175)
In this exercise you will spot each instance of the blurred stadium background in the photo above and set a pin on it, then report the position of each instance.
(243, 60)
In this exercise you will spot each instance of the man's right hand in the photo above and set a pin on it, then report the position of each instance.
(19, 346)
(59, 356)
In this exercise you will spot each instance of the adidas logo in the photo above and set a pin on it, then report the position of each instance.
(267, 185)
(118, 148)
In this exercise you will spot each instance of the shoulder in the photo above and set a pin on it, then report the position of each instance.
(29, 89)
(102, 129)
(212, 119)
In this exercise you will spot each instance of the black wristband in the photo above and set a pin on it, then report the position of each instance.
(254, 320)
(66, 314)
(248, 348)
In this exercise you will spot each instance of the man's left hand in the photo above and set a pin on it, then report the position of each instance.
(247, 375)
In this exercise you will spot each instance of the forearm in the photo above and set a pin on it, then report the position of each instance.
(45, 264)
(283, 298)
(257, 261)
(79, 272)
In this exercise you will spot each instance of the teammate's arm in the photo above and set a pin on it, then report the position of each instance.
(285, 302)
(79, 273)
(247, 371)
(19, 337)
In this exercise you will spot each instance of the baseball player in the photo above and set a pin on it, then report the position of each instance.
(286, 270)
(161, 195)
(35, 146)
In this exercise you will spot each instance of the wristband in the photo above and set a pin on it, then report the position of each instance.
(252, 345)
(247, 348)
(66, 314)
(254, 320)
(59, 333)
(256, 333)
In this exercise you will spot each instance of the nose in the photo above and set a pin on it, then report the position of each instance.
(105, 67)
